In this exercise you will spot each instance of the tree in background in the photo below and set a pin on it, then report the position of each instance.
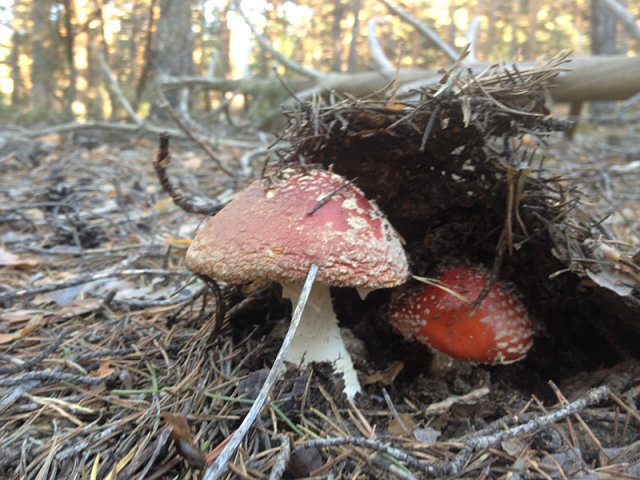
(173, 52)
(65, 57)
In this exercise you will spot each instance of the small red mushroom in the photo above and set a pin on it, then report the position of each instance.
(498, 331)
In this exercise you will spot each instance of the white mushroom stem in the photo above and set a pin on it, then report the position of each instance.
(318, 337)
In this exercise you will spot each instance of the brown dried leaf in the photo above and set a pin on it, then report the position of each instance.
(31, 326)
(385, 376)
(397, 428)
(104, 370)
(179, 426)
(184, 442)
(9, 260)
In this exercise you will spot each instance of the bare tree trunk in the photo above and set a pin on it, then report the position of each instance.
(224, 67)
(16, 91)
(491, 30)
(336, 35)
(515, 12)
(352, 62)
(147, 68)
(452, 23)
(603, 42)
(174, 46)
(68, 42)
(104, 50)
(41, 54)
(529, 47)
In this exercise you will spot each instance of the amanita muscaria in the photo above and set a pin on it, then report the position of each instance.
(498, 331)
(277, 228)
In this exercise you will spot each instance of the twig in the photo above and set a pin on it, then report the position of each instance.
(433, 470)
(328, 197)
(444, 405)
(161, 164)
(51, 376)
(86, 278)
(203, 145)
(219, 312)
(377, 52)
(114, 86)
(26, 365)
(16, 393)
(220, 466)
(282, 459)
(279, 57)
(455, 466)
(424, 29)
(592, 397)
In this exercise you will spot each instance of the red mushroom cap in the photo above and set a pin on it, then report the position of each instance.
(275, 229)
(498, 331)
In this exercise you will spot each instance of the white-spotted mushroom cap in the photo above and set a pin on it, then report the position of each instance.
(498, 331)
(276, 228)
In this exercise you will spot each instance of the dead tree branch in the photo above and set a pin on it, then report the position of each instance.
(376, 49)
(114, 86)
(622, 14)
(264, 43)
(451, 53)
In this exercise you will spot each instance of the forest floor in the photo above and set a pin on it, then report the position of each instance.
(107, 367)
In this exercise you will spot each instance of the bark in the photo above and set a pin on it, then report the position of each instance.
(174, 47)
(603, 30)
(68, 42)
(515, 12)
(352, 62)
(41, 54)
(603, 42)
(529, 47)
(16, 91)
(623, 15)
(104, 52)
(148, 55)
(491, 29)
(336, 34)
(599, 78)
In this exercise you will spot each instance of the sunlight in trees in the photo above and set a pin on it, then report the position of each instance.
(55, 47)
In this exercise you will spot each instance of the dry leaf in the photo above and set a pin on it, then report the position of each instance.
(104, 370)
(9, 260)
(18, 316)
(184, 442)
(177, 242)
(397, 428)
(163, 204)
(514, 446)
(178, 424)
(385, 376)
(35, 323)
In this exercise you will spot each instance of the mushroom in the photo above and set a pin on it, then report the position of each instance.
(498, 331)
(277, 227)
